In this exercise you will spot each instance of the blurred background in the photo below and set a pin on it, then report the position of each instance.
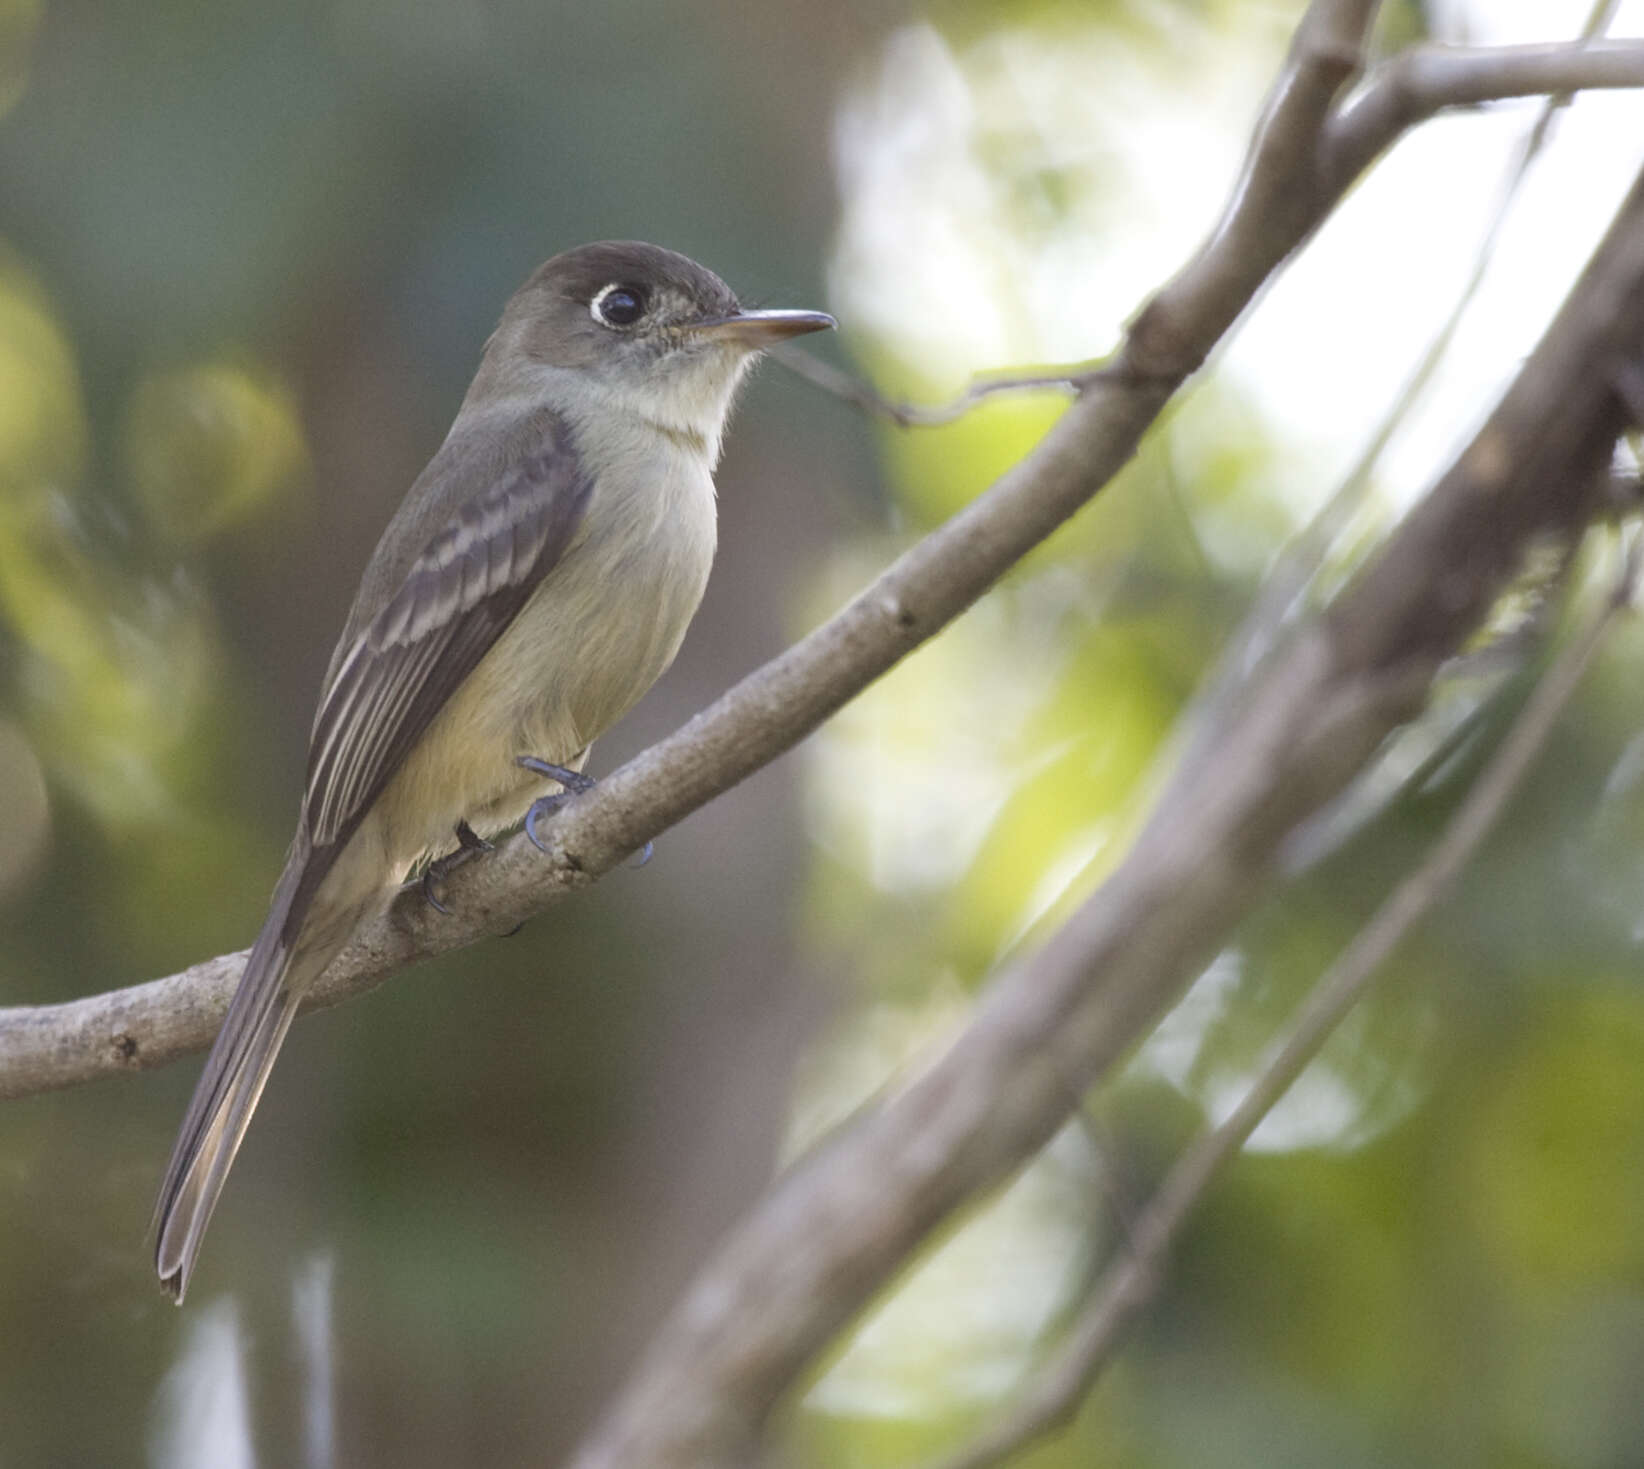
(248, 257)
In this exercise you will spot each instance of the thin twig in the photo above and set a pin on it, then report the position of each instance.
(1134, 1278)
(1072, 377)
(1418, 83)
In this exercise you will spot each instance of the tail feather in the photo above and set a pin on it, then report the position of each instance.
(200, 1167)
(286, 959)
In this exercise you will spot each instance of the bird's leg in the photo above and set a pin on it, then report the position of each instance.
(469, 845)
(575, 783)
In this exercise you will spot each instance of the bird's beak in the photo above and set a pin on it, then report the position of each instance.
(756, 329)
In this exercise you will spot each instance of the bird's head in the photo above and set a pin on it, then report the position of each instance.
(640, 330)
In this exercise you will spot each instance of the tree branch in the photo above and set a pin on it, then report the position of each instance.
(1299, 561)
(1133, 1279)
(848, 1216)
(764, 715)
(1415, 84)
(1277, 202)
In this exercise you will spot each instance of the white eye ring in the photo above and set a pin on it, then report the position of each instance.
(629, 311)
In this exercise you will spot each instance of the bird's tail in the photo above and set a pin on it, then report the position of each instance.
(288, 956)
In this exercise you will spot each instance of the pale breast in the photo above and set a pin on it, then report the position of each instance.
(605, 623)
(609, 619)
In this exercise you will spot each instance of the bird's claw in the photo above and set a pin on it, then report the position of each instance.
(576, 784)
(429, 878)
(574, 781)
(469, 845)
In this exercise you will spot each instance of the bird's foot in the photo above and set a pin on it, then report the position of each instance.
(576, 784)
(469, 846)
(574, 781)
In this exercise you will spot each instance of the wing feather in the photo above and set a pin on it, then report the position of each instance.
(466, 586)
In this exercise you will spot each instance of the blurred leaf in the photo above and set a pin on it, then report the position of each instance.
(1556, 1190)
(112, 671)
(208, 445)
(939, 470)
(42, 422)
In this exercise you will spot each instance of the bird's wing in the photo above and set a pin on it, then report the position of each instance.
(466, 586)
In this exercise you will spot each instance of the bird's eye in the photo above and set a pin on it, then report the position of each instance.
(617, 305)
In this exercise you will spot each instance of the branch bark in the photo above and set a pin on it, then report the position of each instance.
(1417, 83)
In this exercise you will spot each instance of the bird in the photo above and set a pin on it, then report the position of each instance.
(535, 581)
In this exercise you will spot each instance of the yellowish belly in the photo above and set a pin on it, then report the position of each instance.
(604, 625)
